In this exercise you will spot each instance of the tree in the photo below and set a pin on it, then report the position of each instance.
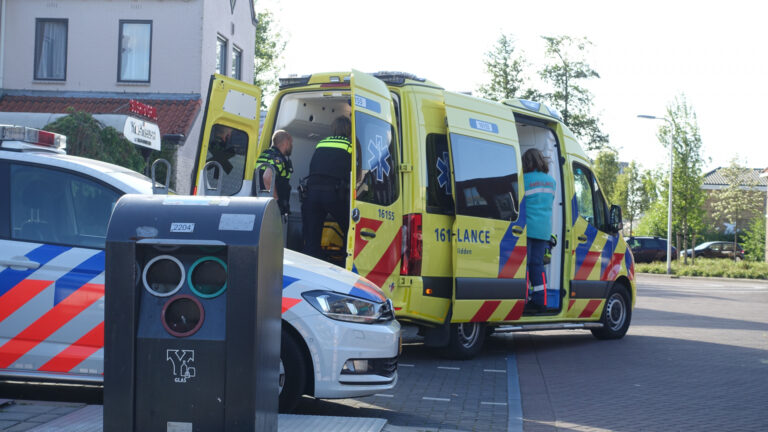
(630, 194)
(269, 47)
(88, 138)
(506, 69)
(607, 170)
(754, 240)
(739, 202)
(681, 131)
(565, 71)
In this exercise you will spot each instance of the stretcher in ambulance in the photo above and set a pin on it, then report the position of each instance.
(339, 337)
(438, 211)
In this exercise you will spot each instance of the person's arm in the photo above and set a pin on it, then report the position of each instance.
(267, 180)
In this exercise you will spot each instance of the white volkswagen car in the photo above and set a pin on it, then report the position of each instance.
(339, 335)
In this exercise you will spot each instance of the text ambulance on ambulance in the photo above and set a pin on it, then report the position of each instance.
(339, 338)
(438, 214)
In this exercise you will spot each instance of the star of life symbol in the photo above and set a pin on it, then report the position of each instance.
(181, 359)
(442, 176)
(379, 154)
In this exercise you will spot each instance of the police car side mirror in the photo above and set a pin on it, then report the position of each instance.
(616, 223)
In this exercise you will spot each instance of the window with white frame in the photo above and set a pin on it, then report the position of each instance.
(135, 56)
(221, 55)
(237, 60)
(51, 49)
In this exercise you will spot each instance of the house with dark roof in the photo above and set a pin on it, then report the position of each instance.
(753, 183)
(97, 56)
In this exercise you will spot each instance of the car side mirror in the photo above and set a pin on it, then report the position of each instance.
(616, 223)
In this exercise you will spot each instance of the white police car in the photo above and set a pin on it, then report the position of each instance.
(339, 338)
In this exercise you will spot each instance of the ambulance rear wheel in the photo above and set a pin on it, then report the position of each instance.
(617, 314)
(292, 373)
(466, 340)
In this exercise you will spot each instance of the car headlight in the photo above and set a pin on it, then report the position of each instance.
(344, 307)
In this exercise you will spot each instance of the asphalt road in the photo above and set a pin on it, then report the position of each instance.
(694, 359)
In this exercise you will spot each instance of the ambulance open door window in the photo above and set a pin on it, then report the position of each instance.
(590, 201)
(52, 206)
(486, 177)
(439, 194)
(377, 176)
(227, 146)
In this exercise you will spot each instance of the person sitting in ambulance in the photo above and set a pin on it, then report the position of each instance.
(328, 186)
(539, 195)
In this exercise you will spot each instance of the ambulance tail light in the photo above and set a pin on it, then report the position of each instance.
(412, 245)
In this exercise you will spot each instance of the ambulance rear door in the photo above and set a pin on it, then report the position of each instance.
(374, 240)
(488, 235)
(229, 138)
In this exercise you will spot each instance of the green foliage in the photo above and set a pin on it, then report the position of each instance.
(607, 168)
(654, 222)
(88, 138)
(754, 240)
(709, 267)
(269, 48)
(681, 131)
(506, 69)
(565, 71)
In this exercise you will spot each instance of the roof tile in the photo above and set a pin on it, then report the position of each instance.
(174, 116)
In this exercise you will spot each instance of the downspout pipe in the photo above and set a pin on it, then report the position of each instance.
(2, 45)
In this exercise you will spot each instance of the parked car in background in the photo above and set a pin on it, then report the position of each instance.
(717, 249)
(649, 249)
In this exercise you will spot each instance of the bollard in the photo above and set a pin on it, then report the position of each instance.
(192, 314)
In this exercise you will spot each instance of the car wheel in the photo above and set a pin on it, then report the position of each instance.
(617, 314)
(466, 340)
(293, 373)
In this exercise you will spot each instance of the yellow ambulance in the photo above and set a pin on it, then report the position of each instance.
(438, 211)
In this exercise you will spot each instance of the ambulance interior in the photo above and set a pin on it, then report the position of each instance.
(531, 135)
(307, 117)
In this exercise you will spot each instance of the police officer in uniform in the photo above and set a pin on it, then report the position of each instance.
(277, 156)
(328, 186)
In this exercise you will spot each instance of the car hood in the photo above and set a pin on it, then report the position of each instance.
(322, 275)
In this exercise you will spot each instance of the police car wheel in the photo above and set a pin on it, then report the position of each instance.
(292, 373)
(616, 314)
(466, 340)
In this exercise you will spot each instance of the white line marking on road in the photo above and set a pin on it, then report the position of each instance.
(448, 368)
(384, 395)
(494, 370)
(436, 399)
(405, 365)
(494, 403)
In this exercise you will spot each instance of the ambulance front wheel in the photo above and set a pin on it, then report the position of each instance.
(617, 314)
(466, 340)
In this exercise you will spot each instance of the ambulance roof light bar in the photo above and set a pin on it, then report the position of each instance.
(29, 137)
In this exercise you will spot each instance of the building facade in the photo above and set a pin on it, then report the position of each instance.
(96, 55)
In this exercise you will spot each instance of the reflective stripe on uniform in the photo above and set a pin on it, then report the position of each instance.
(337, 143)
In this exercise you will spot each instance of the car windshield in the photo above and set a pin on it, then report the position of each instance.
(702, 246)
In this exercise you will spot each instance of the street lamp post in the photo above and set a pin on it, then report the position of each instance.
(669, 210)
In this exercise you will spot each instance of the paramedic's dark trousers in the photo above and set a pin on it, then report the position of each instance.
(536, 267)
(322, 200)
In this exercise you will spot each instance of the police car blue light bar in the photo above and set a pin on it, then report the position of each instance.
(32, 136)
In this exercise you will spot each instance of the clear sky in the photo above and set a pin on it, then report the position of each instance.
(645, 52)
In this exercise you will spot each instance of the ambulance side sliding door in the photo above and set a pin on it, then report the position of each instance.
(488, 235)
